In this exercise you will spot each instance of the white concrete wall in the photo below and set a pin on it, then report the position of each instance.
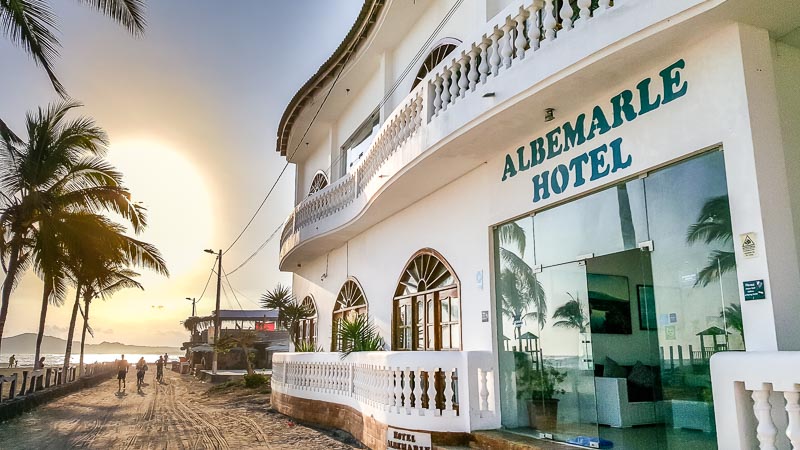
(787, 79)
(729, 97)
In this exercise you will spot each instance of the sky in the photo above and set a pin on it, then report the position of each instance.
(192, 110)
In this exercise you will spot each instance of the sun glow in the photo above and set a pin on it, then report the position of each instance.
(175, 194)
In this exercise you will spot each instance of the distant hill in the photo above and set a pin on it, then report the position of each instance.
(26, 343)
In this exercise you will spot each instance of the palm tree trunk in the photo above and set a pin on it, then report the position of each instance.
(247, 360)
(71, 332)
(87, 300)
(8, 283)
(48, 289)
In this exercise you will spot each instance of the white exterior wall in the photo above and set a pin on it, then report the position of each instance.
(731, 94)
(787, 70)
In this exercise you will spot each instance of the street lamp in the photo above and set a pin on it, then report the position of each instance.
(216, 310)
(194, 301)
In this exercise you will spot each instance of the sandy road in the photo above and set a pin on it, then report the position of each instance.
(177, 414)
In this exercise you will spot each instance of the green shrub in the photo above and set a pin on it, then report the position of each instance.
(255, 380)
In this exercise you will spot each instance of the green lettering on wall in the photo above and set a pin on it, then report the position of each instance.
(645, 105)
(509, 170)
(671, 76)
(576, 165)
(574, 137)
(599, 123)
(540, 186)
(616, 155)
(523, 164)
(598, 162)
(559, 179)
(553, 146)
(622, 104)
(537, 152)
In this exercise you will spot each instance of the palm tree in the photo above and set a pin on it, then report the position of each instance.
(358, 334)
(31, 24)
(99, 255)
(244, 340)
(521, 293)
(732, 317)
(714, 225)
(572, 315)
(57, 172)
(103, 283)
(290, 312)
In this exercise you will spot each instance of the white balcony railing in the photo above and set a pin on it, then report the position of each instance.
(513, 36)
(431, 391)
(756, 399)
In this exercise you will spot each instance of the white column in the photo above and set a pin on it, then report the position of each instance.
(793, 411)
(765, 431)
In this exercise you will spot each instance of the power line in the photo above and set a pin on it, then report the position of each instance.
(258, 250)
(232, 290)
(207, 281)
(383, 101)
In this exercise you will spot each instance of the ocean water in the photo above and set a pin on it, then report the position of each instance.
(26, 359)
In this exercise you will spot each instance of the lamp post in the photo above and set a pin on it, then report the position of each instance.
(216, 309)
(194, 301)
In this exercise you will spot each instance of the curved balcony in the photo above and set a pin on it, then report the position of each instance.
(529, 57)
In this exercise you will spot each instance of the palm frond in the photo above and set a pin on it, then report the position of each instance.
(358, 334)
(31, 24)
(512, 233)
(719, 262)
(713, 224)
(128, 13)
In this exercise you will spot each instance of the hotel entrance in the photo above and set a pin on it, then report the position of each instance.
(610, 306)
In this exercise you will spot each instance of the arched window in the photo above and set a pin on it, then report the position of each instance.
(350, 302)
(436, 55)
(319, 182)
(427, 305)
(307, 329)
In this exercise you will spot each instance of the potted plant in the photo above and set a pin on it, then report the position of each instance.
(538, 385)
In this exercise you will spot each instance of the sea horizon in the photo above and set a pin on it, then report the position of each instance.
(52, 359)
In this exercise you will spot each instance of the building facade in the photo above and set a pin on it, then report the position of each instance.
(567, 219)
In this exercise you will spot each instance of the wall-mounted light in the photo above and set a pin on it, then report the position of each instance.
(549, 114)
(488, 94)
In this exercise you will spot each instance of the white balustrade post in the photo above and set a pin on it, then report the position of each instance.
(520, 41)
(507, 50)
(549, 22)
(398, 389)
(431, 392)
(473, 75)
(463, 82)
(454, 81)
(418, 391)
(445, 89)
(765, 431)
(437, 95)
(448, 391)
(793, 411)
(483, 67)
(494, 57)
(566, 16)
(483, 391)
(602, 6)
(585, 12)
(350, 387)
(407, 390)
(535, 24)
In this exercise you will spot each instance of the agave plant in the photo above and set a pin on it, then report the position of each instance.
(358, 334)
(305, 346)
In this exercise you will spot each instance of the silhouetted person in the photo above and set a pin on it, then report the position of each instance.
(11, 361)
(122, 372)
(141, 368)
(160, 369)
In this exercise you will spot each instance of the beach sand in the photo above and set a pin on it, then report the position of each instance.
(178, 414)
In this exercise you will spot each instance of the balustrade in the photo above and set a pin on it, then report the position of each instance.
(401, 385)
(515, 35)
(757, 394)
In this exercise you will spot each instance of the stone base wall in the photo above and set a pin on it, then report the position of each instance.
(19, 405)
(364, 428)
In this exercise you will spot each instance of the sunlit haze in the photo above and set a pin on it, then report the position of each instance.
(191, 109)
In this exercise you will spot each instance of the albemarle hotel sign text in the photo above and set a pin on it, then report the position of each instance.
(605, 159)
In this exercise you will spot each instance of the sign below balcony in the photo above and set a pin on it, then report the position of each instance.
(407, 440)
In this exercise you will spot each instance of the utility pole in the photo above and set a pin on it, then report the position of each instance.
(217, 322)
(194, 301)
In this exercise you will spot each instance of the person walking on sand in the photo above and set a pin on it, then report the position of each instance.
(160, 369)
(141, 368)
(11, 361)
(122, 372)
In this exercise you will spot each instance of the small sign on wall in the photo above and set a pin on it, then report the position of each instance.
(404, 439)
(749, 245)
(754, 290)
(484, 316)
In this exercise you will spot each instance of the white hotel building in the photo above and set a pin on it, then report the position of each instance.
(567, 218)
